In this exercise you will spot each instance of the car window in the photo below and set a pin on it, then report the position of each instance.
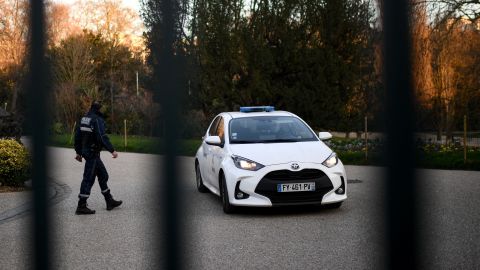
(213, 127)
(269, 129)
(221, 130)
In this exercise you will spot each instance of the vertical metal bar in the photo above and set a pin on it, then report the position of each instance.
(168, 72)
(400, 193)
(125, 130)
(465, 139)
(366, 138)
(38, 122)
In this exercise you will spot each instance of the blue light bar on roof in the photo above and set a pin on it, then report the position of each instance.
(257, 109)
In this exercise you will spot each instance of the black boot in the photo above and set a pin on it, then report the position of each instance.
(111, 203)
(82, 209)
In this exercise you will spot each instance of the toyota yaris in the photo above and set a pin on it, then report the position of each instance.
(261, 157)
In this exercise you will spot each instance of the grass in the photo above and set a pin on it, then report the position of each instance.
(445, 160)
(449, 160)
(358, 158)
(5, 189)
(136, 144)
(439, 160)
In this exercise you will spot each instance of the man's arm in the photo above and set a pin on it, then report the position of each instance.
(78, 143)
(78, 140)
(102, 136)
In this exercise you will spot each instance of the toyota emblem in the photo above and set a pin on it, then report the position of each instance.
(295, 166)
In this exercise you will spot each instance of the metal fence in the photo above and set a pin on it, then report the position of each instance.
(400, 191)
(469, 139)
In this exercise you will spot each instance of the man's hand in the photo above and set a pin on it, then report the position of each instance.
(114, 154)
(78, 158)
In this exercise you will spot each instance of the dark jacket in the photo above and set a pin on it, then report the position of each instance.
(90, 136)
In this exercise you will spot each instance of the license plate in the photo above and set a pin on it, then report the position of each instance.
(296, 187)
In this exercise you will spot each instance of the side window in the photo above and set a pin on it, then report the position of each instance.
(213, 127)
(221, 130)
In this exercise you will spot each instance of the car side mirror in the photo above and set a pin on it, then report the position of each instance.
(324, 136)
(214, 140)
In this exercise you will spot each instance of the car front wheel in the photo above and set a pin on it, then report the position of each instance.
(227, 207)
(198, 176)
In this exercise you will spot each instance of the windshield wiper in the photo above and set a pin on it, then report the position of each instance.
(241, 142)
(281, 140)
(266, 141)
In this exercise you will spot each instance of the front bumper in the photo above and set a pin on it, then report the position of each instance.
(261, 186)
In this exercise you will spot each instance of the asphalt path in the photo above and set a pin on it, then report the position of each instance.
(254, 238)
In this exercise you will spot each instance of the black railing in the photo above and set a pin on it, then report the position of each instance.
(167, 74)
(38, 122)
(400, 190)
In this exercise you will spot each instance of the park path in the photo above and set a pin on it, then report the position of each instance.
(279, 238)
(85, 242)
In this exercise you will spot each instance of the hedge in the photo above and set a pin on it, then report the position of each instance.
(14, 163)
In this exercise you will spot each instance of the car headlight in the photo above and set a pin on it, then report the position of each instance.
(246, 164)
(331, 161)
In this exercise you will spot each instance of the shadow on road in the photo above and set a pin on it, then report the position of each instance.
(290, 210)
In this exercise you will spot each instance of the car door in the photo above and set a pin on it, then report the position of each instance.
(207, 166)
(218, 152)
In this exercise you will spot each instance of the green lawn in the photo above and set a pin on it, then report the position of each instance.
(358, 158)
(440, 160)
(450, 160)
(445, 160)
(136, 144)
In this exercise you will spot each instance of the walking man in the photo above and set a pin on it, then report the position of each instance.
(90, 138)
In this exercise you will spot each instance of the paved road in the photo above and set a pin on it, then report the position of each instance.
(279, 238)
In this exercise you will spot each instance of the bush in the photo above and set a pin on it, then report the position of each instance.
(14, 163)
(57, 128)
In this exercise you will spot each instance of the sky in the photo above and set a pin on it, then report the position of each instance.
(135, 4)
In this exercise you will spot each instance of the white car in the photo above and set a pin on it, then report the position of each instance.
(261, 157)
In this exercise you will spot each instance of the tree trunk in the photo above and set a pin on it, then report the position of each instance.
(439, 115)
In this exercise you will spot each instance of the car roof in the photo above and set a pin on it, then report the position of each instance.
(255, 114)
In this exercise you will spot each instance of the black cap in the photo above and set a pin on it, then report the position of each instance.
(96, 105)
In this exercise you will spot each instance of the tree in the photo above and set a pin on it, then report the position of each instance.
(310, 57)
(421, 54)
(60, 25)
(166, 43)
(445, 61)
(13, 40)
(74, 78)
(14, 31)
(112, 20)
(82, 70)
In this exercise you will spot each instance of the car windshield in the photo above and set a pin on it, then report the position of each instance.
(269, 129)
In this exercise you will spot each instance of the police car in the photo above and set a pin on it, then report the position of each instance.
(261, 157)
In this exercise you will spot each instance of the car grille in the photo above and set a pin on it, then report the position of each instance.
(268, 186)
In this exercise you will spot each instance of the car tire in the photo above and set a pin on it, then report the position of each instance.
(334, 205)
(198, 177)
(227, 207)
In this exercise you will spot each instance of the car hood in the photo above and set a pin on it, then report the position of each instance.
(280, 153)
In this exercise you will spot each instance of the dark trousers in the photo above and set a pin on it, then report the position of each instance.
(93, 168)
